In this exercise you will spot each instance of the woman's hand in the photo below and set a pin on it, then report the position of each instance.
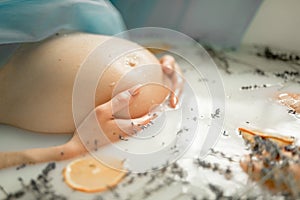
(102, 127)
(172, 71)
(113, 129)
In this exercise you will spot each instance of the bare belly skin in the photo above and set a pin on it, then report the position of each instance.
(37, 82)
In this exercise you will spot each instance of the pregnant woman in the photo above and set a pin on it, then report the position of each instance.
(37, 87)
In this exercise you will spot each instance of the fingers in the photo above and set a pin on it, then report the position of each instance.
(173, 100)
(168, 64)
(94, 134)
(172, 70)
(98, 125)
(122, 129)
(128, 127)
(177, 86)
(118, 102)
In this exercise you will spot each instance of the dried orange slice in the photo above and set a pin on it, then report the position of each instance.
(278, 139)
(275, 166)
(90, 175)
(290, 100)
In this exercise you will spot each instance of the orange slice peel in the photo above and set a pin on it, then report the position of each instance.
(280, 140)
(90, 175)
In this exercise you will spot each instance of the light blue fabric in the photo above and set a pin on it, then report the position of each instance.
(211, 22)
(34, 20)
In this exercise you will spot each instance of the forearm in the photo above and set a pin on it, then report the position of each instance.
(32, 156)
(9, 159)
(39, 155)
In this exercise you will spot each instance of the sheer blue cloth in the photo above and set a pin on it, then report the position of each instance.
(34, 20)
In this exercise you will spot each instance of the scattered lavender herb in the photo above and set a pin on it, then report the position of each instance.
(122, 138)
(270, 54)
(186, 129)
(225, 133)
(220, 57)
(292, 111)
(253, 87)
(114, 192)
(216, 114)
(21, 166)
(286, 76)
(179, 132)
(223, 155)
(275, 165)
(38, 188)
(202, 80)
(259, 72)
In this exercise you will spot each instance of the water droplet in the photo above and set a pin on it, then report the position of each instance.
(131, 60)
(112, 84)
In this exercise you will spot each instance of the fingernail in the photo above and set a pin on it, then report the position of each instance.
(173, 100)
(168, 58)
(135, 90)
(167, 69)
(169, 66)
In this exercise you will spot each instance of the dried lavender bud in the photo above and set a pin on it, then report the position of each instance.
(216, 190)
(39, 188)
(49, 167)
(21, 166)
(216, 114)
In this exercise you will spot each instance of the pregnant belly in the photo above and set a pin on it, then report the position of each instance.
(39, 80)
